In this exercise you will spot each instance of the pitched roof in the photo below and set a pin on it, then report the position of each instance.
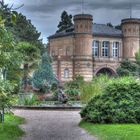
(104, 30)
(98, 30)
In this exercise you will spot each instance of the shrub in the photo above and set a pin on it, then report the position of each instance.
(73, 87)
(128, 68)
(90, 89)
(73, 94)
(76, 83)
(28, 99)
(120, 103)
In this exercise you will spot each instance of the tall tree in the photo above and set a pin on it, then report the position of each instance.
(66, 22)
(109, 24)
(43, 77)
(6, 13)
(30, 56)
(22, 29)
(9, 59)
(118, 27)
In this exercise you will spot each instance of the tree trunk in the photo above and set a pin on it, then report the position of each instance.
(25, 76)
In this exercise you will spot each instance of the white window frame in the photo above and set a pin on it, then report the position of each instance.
(105, 48)
(95, 48)
(66, 73)
(115, 49)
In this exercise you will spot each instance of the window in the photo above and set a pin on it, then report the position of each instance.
(105, 48)
(67, 51)
(53, 53)
(115, 49)
(95, 48)
(60, 51)
(66, 73)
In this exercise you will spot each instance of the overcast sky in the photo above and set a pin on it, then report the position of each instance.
(45, 14)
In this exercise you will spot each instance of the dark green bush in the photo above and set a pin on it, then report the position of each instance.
(72, 94)
(120, 103)
(76, 83)
(96, 86)
(128, 68)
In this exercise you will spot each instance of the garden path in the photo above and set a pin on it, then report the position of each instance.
(52, 125)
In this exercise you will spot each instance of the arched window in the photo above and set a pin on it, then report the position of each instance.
(95, 48)
(105, 48)
(66, 73)
(115, 49)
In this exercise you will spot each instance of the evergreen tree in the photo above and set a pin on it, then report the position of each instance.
(109, 24)
(128, 68)
(43, 77)
(66, 22)
(22, 28)
(118, 27)
(6, 14)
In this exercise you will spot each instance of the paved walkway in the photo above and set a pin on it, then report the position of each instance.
(52, 125)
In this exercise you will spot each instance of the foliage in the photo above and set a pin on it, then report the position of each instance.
(109, 24)
(128, 68)
(30, 55)
(6, 89)
(10, 59)
(72, 94)
(25, 31)
(137, 57)
(66, 22)
(30, 100)
(54, 87)
(20, 26)
(120, 103)
(119, 27)
(11, 130)
(43, 77)
(78, 81)
(90, 89)
(113, 131)
(73, 87)
(8, 16)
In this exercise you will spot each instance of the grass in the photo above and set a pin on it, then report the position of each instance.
(11, 130)
(113, 131)
(90, 89)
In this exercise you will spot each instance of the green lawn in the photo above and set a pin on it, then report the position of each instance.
(113, 131)
(11, 130)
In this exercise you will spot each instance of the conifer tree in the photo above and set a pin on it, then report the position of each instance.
(66, 22)
(43, 77)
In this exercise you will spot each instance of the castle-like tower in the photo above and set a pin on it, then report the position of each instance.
(89, 49)
(131, 37)
(83, 63)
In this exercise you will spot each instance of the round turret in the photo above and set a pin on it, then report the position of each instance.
(83, 23)
(83, 64)
(131, 37)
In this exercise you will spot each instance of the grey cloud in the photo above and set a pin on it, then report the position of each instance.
(45, 14)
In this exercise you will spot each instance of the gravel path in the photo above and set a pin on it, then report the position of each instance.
(52, 125)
